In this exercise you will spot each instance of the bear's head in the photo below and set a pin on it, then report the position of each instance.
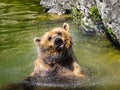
(55, 45)
(55, 40)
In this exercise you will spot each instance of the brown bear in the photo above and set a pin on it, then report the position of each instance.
(56, 57)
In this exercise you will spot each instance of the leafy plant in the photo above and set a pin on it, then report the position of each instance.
(77, 16)
(111, 33)
(95, 13)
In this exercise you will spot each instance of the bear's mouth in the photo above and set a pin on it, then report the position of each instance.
(60, 47)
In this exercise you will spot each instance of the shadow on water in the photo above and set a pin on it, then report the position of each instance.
(20, 22)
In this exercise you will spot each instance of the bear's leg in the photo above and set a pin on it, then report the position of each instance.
(77, 70)
(36, 71)
(40, 69)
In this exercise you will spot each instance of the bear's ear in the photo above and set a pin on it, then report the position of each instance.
(66, 26)
(37, 40)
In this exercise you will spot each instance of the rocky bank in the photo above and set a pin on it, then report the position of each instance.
(98, 16)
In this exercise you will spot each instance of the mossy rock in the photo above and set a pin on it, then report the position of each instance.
(94, 13)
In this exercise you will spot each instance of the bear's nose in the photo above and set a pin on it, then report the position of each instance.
(58, 41)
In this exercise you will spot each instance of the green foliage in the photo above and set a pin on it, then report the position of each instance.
(77, 15)
(111, 33)
(95, 13)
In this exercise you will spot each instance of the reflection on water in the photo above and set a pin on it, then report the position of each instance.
(19, 24)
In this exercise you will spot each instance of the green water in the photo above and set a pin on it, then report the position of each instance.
(19, 24)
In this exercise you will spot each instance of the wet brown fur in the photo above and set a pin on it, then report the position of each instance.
(51, 61)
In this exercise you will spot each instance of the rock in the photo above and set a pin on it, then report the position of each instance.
(89, 21)
(56, 6)
(110, 13)
(98, 15)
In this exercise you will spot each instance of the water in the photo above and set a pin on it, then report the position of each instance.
(22, 20)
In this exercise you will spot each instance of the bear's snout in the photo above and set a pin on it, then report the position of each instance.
(59, 43)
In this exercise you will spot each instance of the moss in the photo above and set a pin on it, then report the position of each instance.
(110, 32)
(77, 15)
(112, 37)
(94, 13)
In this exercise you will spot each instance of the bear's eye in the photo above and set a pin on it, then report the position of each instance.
(59, 33)
(49, 38)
